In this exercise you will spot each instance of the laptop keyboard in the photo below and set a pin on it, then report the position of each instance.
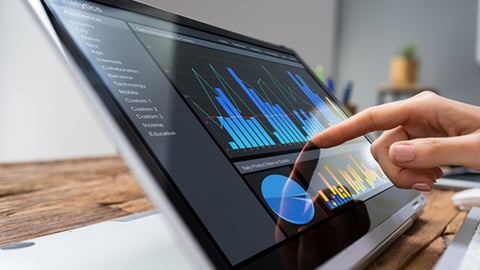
(471, 260)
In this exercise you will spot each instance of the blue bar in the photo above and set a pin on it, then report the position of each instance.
(285, 128)
(311, 131)
(281, 123)
(242, 122)
(233, 145)
(320, 126)
(256, 99)
(330, 204)
(258, 134)
(306, 126)
(239, 81)
(267, 113)
(299, 137)
(233, 112)
(309, 123)
(253, 133)
(313, 126)
(305, 122)
(299, 117)
(314, 123)
(315, 98)
(303, 113)
(317, 101)
(337, 199)
(309, 94)
(280, 138)
(238, 129)
(263, 131)
(231, 131)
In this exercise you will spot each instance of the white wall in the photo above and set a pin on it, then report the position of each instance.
(43, 114)
(308, 26)
(444, 32)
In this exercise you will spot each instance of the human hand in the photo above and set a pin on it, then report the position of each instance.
(421, 134)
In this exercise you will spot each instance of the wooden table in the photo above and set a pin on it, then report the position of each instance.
(41, 198)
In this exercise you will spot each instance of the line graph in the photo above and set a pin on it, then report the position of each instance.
(264, 112)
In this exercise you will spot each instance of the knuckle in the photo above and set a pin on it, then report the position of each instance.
(427, 94)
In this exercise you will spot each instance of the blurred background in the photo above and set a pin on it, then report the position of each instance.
(44, 115)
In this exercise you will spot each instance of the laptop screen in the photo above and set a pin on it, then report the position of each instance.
(228, 121)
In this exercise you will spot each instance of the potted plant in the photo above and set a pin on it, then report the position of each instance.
(404, 67)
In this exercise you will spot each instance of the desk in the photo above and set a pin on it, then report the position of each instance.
(41, 198)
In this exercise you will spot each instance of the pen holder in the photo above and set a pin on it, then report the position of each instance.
(403, 71)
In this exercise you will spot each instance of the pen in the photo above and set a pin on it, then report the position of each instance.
(331, 85)
(347, 92)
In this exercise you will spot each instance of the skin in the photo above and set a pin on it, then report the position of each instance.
(422, 134)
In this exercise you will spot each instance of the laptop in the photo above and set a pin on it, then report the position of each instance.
(463, 252)
(216, 127)
(459, 178)
(138, 241)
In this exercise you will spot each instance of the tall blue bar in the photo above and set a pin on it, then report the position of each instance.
(303, 121)
(319, 125)
(237, 131)
(317, 101)
(263, 108)
(280, 138)
(239, 120)
(232, 132)
(267, 113)
(311, 127)
(248, 133)
(334, 118)
(232, 120)
(254, 133)
(262, 130)
(330, 204)
(281, 124)
(290, 125)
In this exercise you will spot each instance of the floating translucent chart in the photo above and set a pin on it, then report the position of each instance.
(287, 199)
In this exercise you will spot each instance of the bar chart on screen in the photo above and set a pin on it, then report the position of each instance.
(264, 113)
(343, 178)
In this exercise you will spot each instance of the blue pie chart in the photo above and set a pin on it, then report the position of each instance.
(287, 199)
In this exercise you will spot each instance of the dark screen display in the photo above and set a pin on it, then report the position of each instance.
(250, 105)
(230, 121)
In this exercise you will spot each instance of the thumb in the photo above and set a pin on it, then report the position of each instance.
(434, 152)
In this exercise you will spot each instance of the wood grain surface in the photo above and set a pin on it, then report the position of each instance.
(41, 198)
(46, 197)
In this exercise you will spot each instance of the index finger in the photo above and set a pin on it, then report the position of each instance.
(381, 117)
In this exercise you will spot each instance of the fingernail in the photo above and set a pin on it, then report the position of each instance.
(403, 152)
(422, 187)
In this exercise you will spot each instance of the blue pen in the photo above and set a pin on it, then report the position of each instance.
(331, 85)
(347, 93)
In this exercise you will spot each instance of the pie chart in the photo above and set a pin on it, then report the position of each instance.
(287, 199)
